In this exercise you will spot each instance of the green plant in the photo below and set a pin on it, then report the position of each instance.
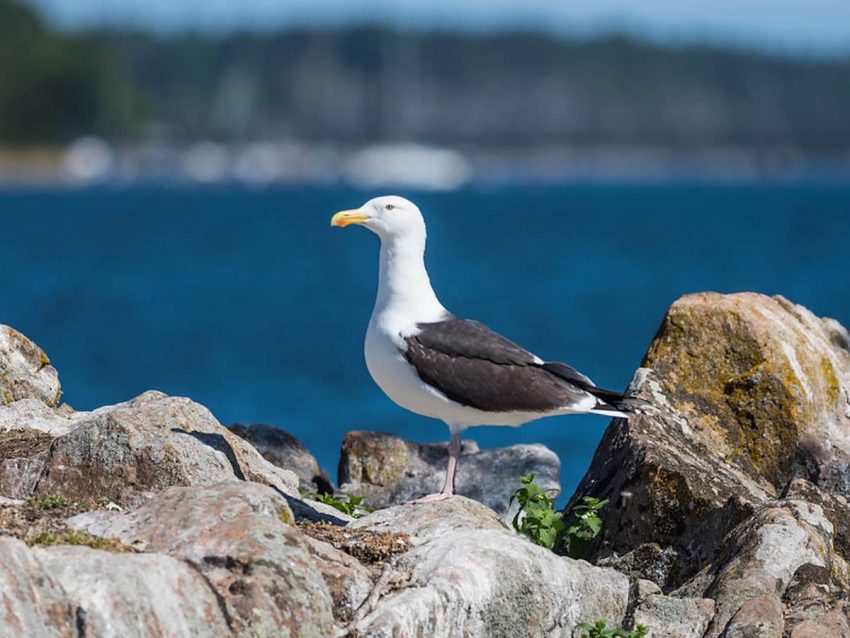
(351, 505)
(600, 629)
(537, 517)
(60, 502)
(72, 537)
(585, 525)
(48, 501)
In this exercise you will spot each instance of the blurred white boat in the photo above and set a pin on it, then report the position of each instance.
(408, 166)
(88, 159)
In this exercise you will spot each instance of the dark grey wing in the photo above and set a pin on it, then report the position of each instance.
(479, 368)
(568, 373)
(472, 339)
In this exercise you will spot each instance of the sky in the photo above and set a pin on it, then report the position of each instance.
(796, 26)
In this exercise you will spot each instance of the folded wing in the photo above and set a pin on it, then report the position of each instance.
(477, 367)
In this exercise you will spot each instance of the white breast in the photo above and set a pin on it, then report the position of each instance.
(384, 350)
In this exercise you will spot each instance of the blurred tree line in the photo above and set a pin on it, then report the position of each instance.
(369, 84)
(53, 87)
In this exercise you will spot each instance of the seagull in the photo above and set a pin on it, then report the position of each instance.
(459, 371)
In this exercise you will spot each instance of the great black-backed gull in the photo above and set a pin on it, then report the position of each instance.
(459, 371)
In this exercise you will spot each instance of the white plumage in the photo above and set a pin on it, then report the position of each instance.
(431, 363)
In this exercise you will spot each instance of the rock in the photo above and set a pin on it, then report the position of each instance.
(349, 582)
(126, 452)
(387, 470)
(669, 617)
(647, 561)
(239, 537)
(729, 509)
(816, 602)
(32, 603)
(42, 520)
(764, 379)
(27, 428)
(469, 575)
(835, 509)
(733, 485)
(25, 371)
(644, 589)
(747, 392)
(219, 550)
(33, 414)
(831, 625)
(134, 595)
(284, 450)
(425, 520)
(757, 617)
(759, 561)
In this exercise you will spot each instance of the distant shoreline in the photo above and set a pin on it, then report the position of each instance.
(91, 161)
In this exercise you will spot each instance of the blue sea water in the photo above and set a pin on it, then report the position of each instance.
(248, 302)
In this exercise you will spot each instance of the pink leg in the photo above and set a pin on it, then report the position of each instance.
(449, 484)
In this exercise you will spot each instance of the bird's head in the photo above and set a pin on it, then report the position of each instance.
(389, 217)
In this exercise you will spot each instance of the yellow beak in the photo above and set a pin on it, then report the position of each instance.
(347, 217)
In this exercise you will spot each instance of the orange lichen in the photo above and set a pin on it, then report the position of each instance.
(730, 374)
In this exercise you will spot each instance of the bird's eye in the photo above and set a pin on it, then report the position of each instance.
(389, 207)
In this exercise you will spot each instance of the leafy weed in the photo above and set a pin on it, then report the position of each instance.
(585, 525)
(538, 519)
(351, 505)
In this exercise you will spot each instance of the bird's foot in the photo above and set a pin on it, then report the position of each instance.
(431, 498)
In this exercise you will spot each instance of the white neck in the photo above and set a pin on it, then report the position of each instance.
(404, 288)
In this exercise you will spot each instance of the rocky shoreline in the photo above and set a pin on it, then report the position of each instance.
(728, 509)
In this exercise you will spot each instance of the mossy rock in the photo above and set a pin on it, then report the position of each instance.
(746, 393)
(25, 371)
(751, 374)
(372, 458)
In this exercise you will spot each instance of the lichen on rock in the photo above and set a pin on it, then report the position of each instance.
(755, 377)
(25, 370)
(748, 392)
(734, 482)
